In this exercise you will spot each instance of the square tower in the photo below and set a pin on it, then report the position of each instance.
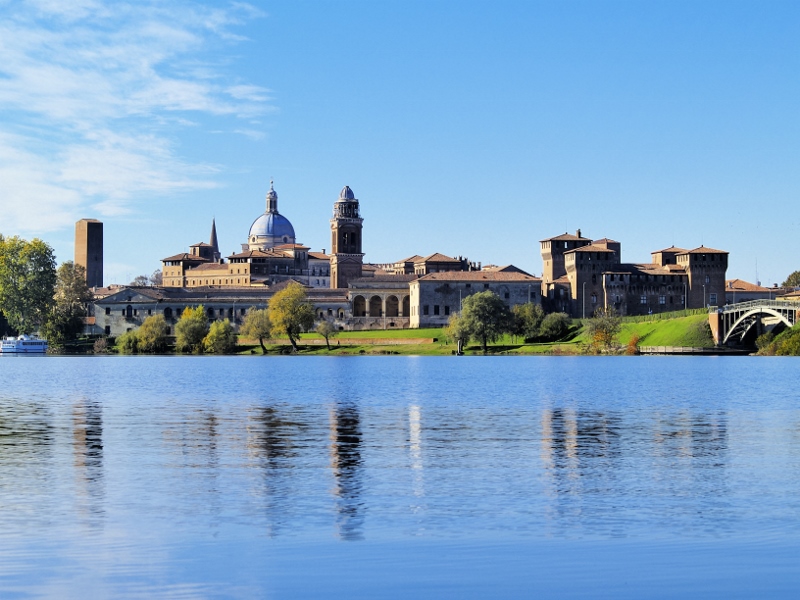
(347, 259)
(89, 250)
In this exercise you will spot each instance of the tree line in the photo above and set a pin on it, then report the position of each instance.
(289, 314)
(485, 318)
(35, 296)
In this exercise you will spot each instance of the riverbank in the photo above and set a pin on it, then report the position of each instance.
(680, 332)
(686, 331)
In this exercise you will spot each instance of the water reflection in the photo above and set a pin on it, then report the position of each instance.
(272, 437)
(415, 450)
(345, 452)
(27, 440)
(592, 459)
(87, 446)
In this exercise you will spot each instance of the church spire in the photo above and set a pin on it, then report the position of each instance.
(213, 241)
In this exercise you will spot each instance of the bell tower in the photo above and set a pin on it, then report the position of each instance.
(346, 255)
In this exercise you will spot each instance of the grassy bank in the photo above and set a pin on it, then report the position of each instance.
(682, 331)
(691, 330)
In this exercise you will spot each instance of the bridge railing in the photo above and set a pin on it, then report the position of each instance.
(751, 304)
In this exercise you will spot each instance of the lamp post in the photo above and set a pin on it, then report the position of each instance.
(685, 298)
(584, 299)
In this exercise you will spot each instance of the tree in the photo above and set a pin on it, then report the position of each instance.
(291, 313)
(191, 329)
(792, 280)
(528, 319)
(257, 326)
(128, 342)
(458, 331)
(554, 326)
(152, 335)
(485, 316)
(147, 280)
(71, 287)
(220, 338)
(604, 327)
(72, 296)
(27, 282)
(327, 330)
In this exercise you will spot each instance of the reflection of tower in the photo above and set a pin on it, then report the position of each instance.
(415, 448)
(346, 255)
(346, 464)
(87, 423)
(89, 250)
(271, 441)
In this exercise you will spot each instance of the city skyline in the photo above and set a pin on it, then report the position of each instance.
(470, 130)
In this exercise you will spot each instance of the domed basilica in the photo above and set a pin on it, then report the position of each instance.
(271, 253)
(271, 228)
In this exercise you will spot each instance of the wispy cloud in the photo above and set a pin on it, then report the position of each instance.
(94, 94)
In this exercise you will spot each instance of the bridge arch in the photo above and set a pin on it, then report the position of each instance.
(746, 320)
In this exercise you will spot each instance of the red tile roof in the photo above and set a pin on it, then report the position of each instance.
(564, 237)
(590, 248)
(704, 250)
(479, 276)
(438, 257)
(185, 257)
(674, 249)
(739, 285)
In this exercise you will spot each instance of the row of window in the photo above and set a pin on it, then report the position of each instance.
(437, 310)
(130, 312)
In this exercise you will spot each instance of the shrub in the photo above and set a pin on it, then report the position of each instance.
(152, 335)
(191, 330)
(554, 326)
(220, 338)
(128, 342)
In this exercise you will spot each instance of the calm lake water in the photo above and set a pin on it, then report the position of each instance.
(399, 477)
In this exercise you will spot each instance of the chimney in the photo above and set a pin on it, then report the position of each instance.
(578, 233)
(323, 250)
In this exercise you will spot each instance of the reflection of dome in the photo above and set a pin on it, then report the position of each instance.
(347, 194)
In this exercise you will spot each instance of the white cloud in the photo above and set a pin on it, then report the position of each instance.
(94, 94)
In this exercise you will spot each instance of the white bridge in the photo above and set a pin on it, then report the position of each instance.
(733, 321)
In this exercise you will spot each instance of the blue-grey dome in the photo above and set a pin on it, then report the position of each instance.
(272, 225)
(347, 194)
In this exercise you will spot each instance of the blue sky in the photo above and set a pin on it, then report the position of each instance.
(468, 128)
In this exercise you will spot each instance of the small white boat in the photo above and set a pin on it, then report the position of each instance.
(23, 344)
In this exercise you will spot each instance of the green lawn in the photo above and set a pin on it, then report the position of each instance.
(683, 331)
(384, 333)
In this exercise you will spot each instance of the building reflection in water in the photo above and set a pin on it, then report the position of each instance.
(346, 463)
(270, 441)
(87, 444)
(415, 450)
(624, 457)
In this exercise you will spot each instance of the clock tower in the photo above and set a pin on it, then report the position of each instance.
(346, 255)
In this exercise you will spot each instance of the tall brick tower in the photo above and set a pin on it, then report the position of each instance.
(346, 255)
(89, 250)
